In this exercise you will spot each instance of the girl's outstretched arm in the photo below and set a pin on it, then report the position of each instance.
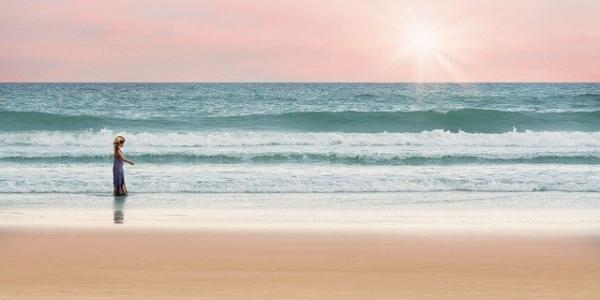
(121, 156)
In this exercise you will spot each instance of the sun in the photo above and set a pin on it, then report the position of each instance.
(423, 40)
(426, 45)
(430, 48)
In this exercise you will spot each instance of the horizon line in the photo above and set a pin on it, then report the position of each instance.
(304, 82)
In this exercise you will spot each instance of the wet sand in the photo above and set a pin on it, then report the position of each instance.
(200, 264)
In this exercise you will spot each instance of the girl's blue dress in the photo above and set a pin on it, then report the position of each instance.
(118, 177)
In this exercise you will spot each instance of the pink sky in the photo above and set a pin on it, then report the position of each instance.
(544, 40)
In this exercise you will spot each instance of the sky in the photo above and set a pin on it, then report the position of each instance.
(283, 41)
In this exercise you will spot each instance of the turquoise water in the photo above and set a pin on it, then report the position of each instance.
(366, 108)
(301, 138)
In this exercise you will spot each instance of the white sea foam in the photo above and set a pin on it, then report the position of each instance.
(377, 169)
(301, 178)
(436, 143)
(104, 137)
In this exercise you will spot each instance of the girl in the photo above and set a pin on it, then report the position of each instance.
(119, 188)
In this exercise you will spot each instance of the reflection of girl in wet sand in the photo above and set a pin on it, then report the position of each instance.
(119, 188)
(119, 205)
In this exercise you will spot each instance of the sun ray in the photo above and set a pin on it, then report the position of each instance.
(429, 44)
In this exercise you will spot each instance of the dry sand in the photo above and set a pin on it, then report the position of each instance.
(128, 264)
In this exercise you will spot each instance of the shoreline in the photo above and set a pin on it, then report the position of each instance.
(546, 213)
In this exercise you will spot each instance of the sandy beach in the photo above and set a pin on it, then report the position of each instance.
(158, 264)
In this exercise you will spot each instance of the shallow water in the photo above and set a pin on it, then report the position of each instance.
(409, 212)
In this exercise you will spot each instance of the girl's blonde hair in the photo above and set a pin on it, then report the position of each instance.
(119, 140)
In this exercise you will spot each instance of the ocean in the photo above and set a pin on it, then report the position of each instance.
(361, 140)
